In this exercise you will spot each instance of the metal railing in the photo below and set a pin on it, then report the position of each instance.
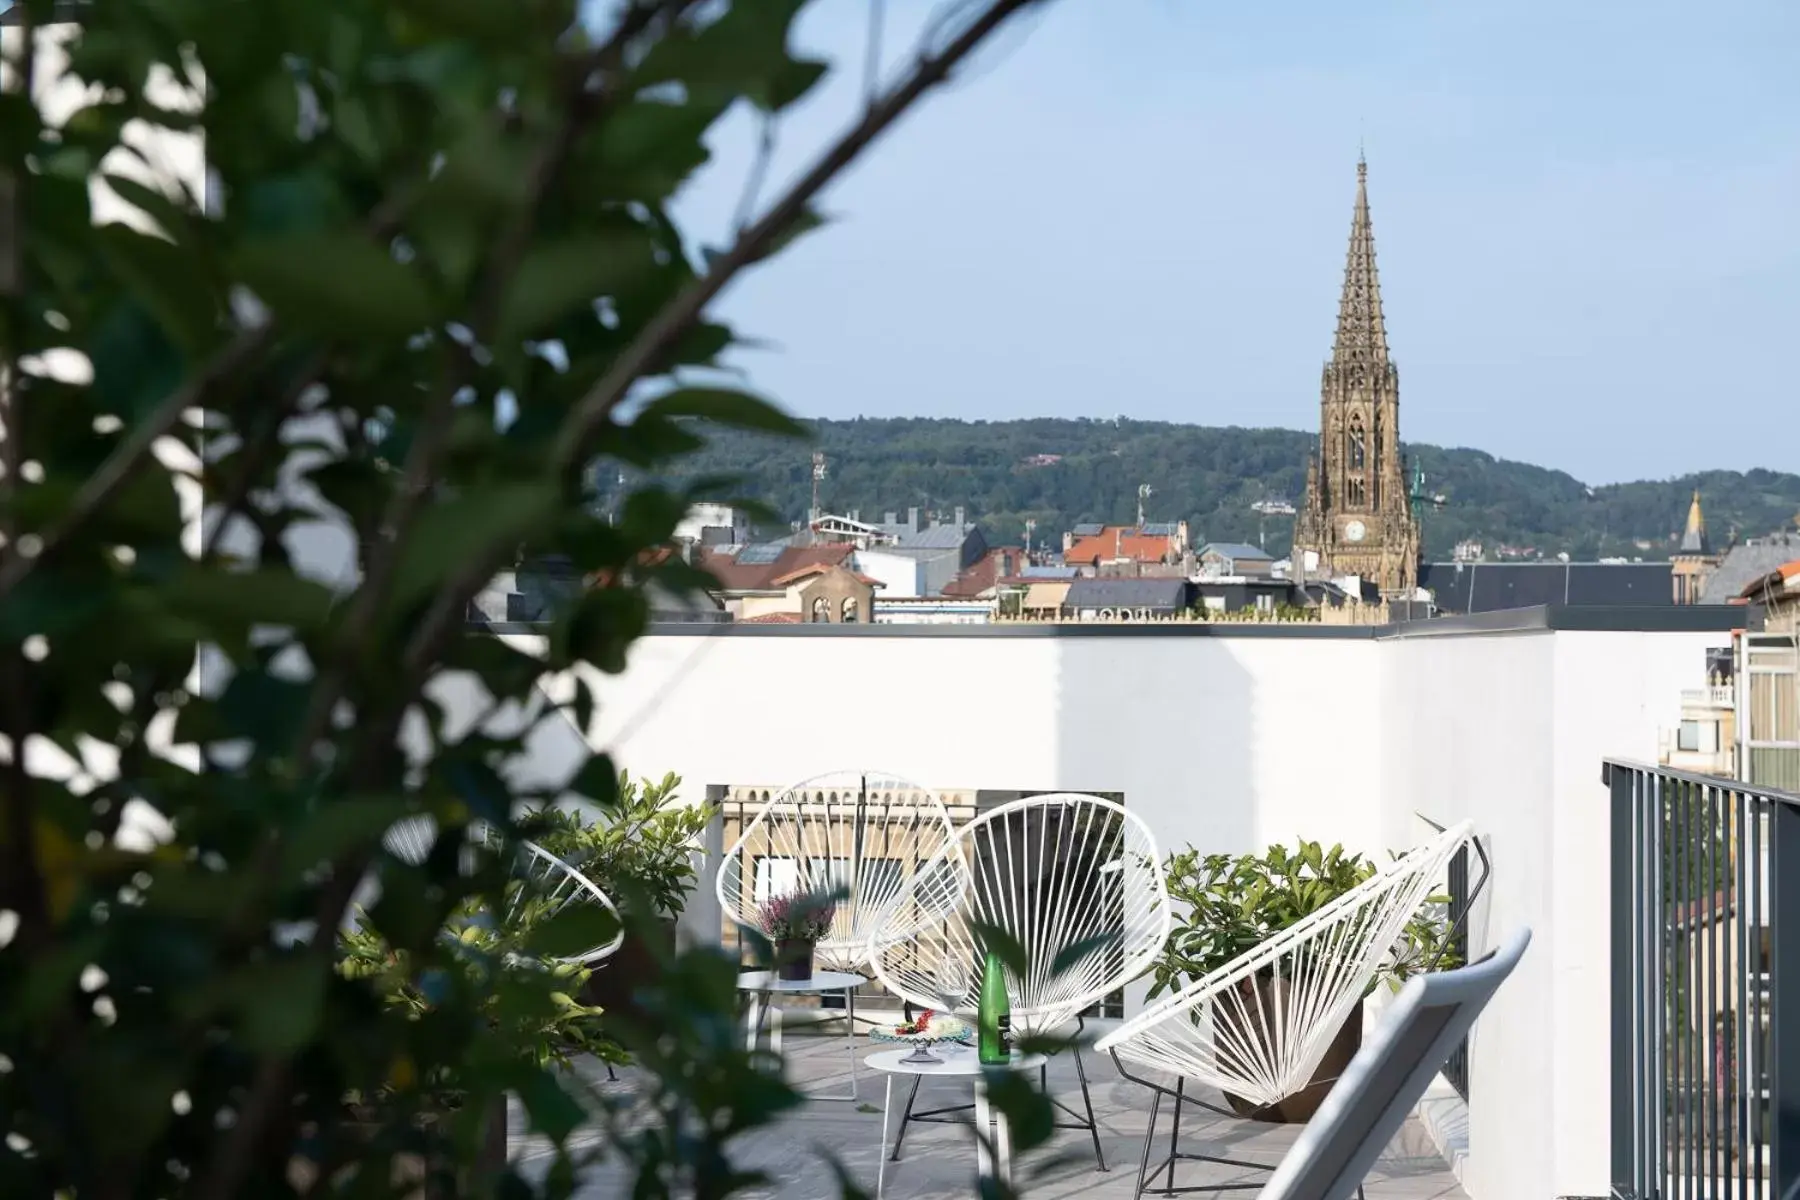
(1456, 1067)
(1705, 987)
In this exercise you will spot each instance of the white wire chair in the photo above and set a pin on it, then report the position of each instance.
(1259, 1027)
(856, 832)
(542, 878)
(1075, 880)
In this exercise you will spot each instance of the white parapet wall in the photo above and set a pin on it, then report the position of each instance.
(1229, 738)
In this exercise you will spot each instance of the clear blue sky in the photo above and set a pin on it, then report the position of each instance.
(1587, 215)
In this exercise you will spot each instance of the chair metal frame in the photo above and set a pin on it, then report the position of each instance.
(1045, 999)
(1423, 862)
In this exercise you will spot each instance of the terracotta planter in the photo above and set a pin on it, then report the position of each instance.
(412, 1172)
(794, 959)
(1297, 1108)
(638, 961)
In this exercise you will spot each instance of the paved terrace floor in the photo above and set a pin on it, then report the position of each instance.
(939, 1160)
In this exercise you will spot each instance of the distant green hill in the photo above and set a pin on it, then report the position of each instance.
(1211, 477)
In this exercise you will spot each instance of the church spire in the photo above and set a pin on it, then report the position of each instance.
(1361, 333)
(1693, 539)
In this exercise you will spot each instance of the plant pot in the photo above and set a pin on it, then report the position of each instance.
(412, 1173)
(1298, 1107)
(794, 959)
(636, 963)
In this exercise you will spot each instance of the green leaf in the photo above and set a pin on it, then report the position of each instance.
(724, 406)
(342, 824)
(337, 283)
(451, 532)
(1077, 952)
(572, 930)
(571, 273)
(807, 222)
(553, 1112)
(279, 1005)
(263, 596)
(995, 940)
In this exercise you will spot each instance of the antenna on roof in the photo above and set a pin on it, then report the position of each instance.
(1269, 506)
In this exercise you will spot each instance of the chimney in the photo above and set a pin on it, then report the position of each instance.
(890, 520)
(959, 516)
(912, 520)
(1068, 541)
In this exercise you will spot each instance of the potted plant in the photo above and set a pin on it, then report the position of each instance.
(642, 855)
(795, 925)
(1234, 903)
(525, 998)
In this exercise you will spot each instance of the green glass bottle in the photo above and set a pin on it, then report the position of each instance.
(993, 1016)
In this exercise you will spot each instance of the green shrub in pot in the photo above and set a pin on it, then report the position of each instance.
(641, 852)
(509, 974)
(1226, 905)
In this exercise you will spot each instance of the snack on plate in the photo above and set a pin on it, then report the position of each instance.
(933, 1025)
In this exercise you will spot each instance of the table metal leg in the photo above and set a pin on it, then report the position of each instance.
(984, 1147)
(881, 1159)
(850, 1044)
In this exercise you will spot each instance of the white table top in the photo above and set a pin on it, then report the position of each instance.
(821, 981)
(958, 1060)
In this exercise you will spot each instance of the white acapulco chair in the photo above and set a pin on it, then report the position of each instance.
(859, 833)
(1259, 1027)
(850, 831)
(542, 877)
(1377, 1091)
(1075, 879)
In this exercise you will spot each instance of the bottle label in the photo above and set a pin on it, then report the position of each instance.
(1003, 1026)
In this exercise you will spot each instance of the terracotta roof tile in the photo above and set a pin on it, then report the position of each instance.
(734, 576)
(1119, 541)
(778, 618)
(819, 568)
(985, 572)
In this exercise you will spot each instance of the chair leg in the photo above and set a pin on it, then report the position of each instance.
(905, 1116)
(1174, 1137)
(1087, 1103)
(1149, 1137)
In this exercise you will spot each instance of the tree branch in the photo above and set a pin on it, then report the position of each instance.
(641, 357)
(232, 1163)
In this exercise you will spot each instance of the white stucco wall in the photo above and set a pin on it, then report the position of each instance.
(1510, 729)
(1230, 743)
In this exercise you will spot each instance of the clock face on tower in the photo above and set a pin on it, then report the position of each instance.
(1355, 531)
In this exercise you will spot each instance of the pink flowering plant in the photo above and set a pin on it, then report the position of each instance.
(796, 918)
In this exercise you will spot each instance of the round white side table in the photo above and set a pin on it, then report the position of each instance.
(959, 1062)
(760, 988)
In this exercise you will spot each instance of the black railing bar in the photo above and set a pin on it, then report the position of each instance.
(1753, 897)
(1655, 935)
(1692, 778)
(1684, 992)
(1460, 923)
(1714, 988)
(1664, 862)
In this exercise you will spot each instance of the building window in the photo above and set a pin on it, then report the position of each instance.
(1701, 737)
(1379, 440)
(848, 611)
(1265, 602)
(1354, 495)
(1358, 449)
(821, 609)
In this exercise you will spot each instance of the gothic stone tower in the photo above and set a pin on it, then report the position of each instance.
(1358, 516)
